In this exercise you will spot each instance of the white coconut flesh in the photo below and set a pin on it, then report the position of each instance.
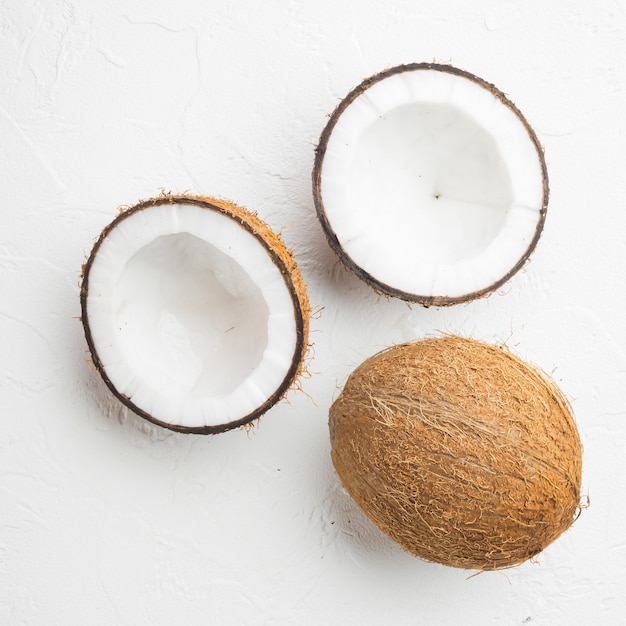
(190, 317)
(431, 184)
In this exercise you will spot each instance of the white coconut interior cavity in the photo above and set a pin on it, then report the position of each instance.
(439, 178)
(190, 317)
(431, 184)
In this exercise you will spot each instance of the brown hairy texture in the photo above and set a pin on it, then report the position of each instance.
(459, 451)
(281, 257)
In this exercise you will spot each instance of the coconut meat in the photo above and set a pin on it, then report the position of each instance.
(431, 184)
(191, 318)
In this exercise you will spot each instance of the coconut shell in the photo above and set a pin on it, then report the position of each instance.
(331, 235)
(459, 451)
(281, 256)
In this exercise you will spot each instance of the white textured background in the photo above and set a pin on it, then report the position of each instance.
(105, 519)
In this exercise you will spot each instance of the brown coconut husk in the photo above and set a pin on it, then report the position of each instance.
(282, 258)
(459, 451)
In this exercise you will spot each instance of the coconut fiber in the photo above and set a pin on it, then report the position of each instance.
(459, 451)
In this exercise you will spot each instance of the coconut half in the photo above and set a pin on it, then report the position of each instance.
(430, 184)
(195, 313)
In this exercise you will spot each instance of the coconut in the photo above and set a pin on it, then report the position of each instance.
(195, 313)
(430, 184)
(459, 451)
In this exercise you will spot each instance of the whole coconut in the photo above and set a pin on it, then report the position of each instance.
(459, 451)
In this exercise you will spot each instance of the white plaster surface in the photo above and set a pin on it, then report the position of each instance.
(105, 519)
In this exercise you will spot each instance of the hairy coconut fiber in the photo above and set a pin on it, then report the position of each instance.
(459, 451)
